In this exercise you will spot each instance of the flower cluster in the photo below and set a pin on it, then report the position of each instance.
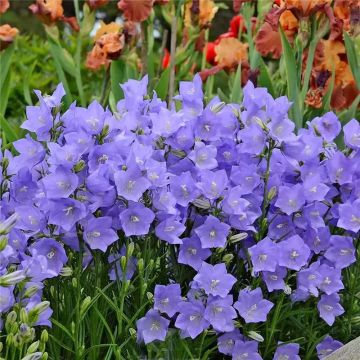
(252, 211)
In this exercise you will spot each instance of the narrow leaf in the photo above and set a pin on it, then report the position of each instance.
(353, 59)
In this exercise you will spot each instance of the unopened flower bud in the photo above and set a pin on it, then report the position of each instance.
(66, 271)
(8, 224)
(44, 336)
(140, 265)
(272, 193)
(24, 330)
(238, 237)
(132, 333)
(33, 347)
(31, 291)
(11, 317)
(217, 107)
(72, 327)
(150, 296)
(74, 282)
(202, 203)
(5, 163)
(9, 340)
(84, 306)
(287, 290)
(24, 316)
(144, 287)
(12, 278)
(37, 310)
(256, 336)
(14, 328)
(1, 347)
(123, 262)
(130, 249)
(79, 166)
(227, 258)
(45, 356)
(3, 242)
(35, 356)
(179, 153)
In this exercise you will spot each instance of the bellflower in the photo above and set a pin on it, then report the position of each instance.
(329, 307)
(252, 307)
(245, 350)
(192, 253)
(152, 327)
(287, 351)
(167, 298)
(212, 233)
(341, 251)
(327, 346)
(264, 255)
(214, 279)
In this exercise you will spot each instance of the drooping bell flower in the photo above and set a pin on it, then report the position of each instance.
(7, 35)
(52, 11)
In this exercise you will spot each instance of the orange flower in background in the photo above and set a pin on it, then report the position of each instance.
(305, 8)
(230, 52)
(331, 55)
(51, 11)
(203, 10)
(4, 5)
(7, 35)
(166, 59)
(268, 40)
(109, 42)
(94, 4)
(136, 10)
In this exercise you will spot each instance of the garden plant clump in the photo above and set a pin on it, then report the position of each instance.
(192, 232)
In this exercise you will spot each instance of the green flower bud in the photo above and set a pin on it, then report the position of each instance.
(132, 333)
(256, 336)
(79, 166)
(14, 328)
(30, 291)
(84, 306)
(37, 310)
(217, 107)
(238, 237)
(74, 282)
(33, 347)
(44, 336)
(3, 242)
(5, 163)
(9, 340)
(130, 249)
(272, 193)
(24, 316)
(45, 356)
(140, 265)
(227, 258)
(123, 262)
(12, 278)
(150, 296)
(11, 318)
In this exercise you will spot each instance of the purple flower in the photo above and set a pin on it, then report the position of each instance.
(212, 233)
(330, 279)
(130, 183)
(290, 199)
(226, 342)
(214, 279)
(251, 305)
(245, 350)
(327, 346)
(264, 255)
(54, 253)
(191, 319)
(183, 188)
(136, 219)
(192, 253)
(349, 216)
(328, 126)
(274, 280)
(169, 230)
(61, 184)
(339, 169)
(220, 313)
(167, 298)
(309, 279)
(98, 233)
(233, 203)
(166, 122)
(293, 253)
(152, 327)
(213, 183)
(288, 351)
(7, 298)
(352, 134)
(66, 212)
(329, 307)
(341, 251)
(204, 156)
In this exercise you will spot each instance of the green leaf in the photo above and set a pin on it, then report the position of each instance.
(162, 85)
(350, 113)
(5, 61)
(11, 132)
(264, 78)
(88, 21)
(327, 96)
(26, 84)
(5, 92)
(352, 58)
(236, 92)
(117, 77)
(291, 77)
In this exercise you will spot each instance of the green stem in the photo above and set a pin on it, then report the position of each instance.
(206, 39)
